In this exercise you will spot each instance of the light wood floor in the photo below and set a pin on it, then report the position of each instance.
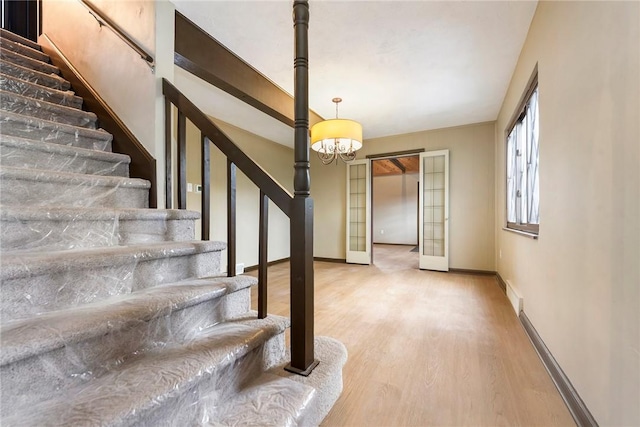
(425, 348)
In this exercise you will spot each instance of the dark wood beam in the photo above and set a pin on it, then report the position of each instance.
(399, 165)
(202, 55)
(395, 153)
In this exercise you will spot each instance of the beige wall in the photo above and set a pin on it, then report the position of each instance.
(471, 194)
(394, 208)
(580, 281)
(276, 159)
(118, 74)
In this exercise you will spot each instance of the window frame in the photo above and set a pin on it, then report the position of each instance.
(518, 116)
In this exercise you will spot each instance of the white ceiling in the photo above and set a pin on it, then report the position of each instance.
(400, 66)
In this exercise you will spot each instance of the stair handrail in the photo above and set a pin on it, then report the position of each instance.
(261, 178)
(103, 20)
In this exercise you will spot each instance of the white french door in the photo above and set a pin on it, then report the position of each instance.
(359, 212)
(434, 210)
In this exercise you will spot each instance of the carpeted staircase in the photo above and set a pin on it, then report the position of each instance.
(112, 314)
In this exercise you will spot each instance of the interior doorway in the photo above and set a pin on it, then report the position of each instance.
(394, 207)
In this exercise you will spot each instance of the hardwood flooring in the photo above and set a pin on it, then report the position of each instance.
(425, 348)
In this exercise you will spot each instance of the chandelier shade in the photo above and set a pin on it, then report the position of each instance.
(344, 133)
(335, 138)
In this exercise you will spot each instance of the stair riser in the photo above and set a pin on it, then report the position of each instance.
(76, 233)
(54, 136)
(73, 193)
(27, 62)
(42, 93)
(77, 363)
(46, 111)
(35, 159)
(24, 50)
(135, 232)
(49, 80)
(76, 285)
(52, 116)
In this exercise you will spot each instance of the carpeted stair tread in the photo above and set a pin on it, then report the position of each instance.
(25, 228)
(24, 49)
(28, 153)
(74, 178)
(38, 282)
(27, 62)
(270, 400)
(39, 334)
(43, 109)
(19, 39)
(25, 126)
(53, 81)
(43, 93)
(154, 381)
(37, 187)
(326, 378)
(70, 346)
(57, 213)
(15, 265)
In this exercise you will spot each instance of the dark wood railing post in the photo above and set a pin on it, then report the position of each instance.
(263, 261)
(205, 219)
(231, 218)
(182, 161)
(301, 234)
(168, 164)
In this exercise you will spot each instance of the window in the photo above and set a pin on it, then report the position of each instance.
(523, 189)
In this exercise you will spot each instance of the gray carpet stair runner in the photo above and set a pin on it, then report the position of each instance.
(112, 314)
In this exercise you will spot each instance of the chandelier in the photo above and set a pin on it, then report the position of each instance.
(335, 138)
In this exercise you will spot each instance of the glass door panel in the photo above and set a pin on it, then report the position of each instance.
(358, 213)
(434, 210)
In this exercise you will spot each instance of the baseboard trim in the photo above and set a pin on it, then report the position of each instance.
(576, 406)
(287, 259)
(269, 264)
(396, 244)
(469, 271)
(336, 260)
(501, 283)
(143, 165)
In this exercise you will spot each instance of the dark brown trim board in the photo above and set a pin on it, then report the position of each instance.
(501, 283)
(576, 406)
(279, 261)
(396, 154)
(143, 165)
(468, 271)
(411, 245)
(335, 260)
(269, 264)
(203, 56)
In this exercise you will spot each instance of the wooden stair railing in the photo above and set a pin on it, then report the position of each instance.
(299, 207)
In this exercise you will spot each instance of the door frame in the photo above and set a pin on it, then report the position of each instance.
(427, 262)
(359, 257)
(382, 156)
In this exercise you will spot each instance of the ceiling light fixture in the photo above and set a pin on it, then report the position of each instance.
(335, 138)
